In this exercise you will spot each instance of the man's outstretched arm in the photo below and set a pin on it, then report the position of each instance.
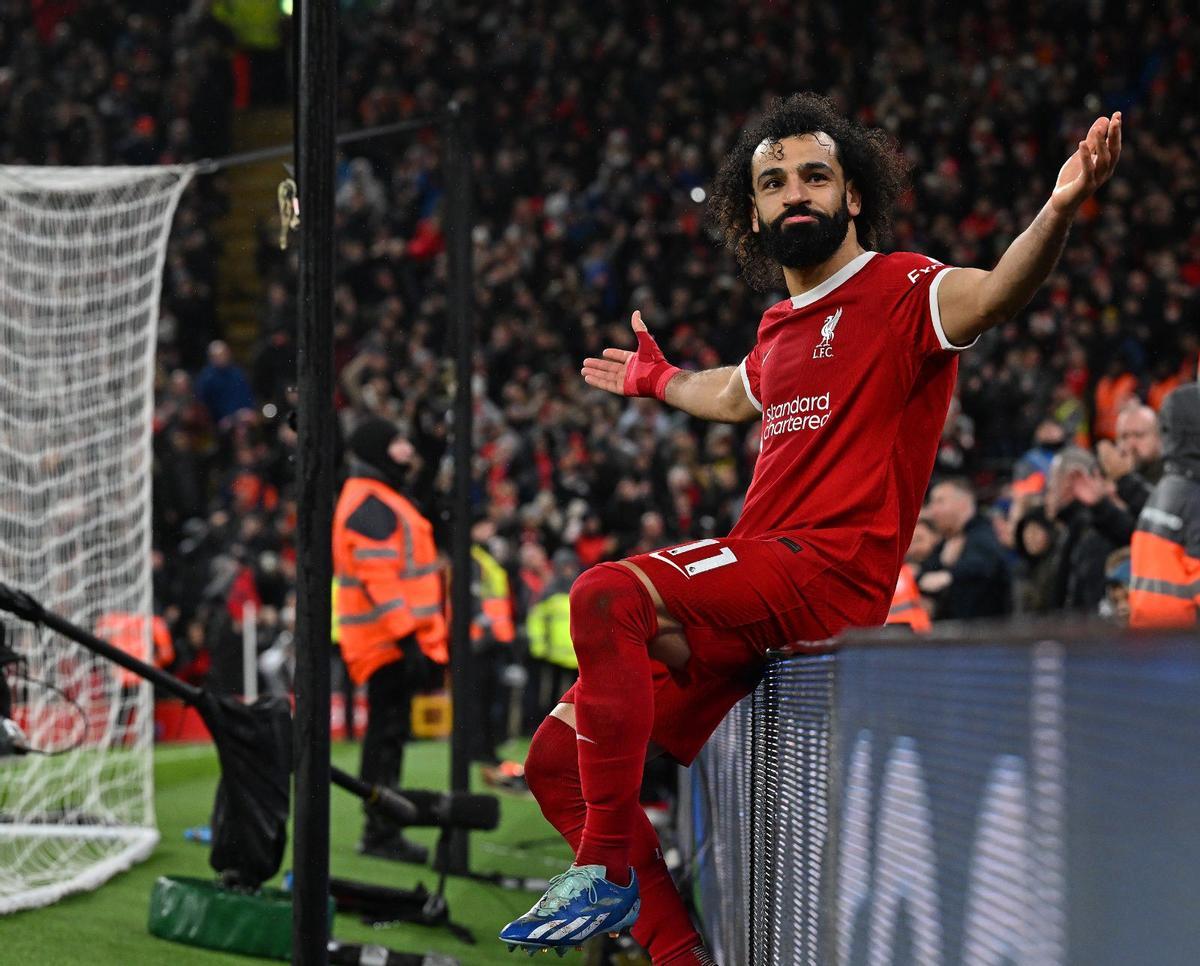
(972, 301)
(714, 394)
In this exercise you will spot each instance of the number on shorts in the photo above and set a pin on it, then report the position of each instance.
(701, 566)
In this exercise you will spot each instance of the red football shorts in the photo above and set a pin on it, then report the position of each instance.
(736, 599)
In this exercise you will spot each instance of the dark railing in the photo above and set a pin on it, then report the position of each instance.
(987, 795)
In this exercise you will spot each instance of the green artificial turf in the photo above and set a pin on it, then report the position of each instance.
(109, 925)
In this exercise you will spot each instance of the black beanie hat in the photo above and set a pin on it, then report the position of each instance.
(370, 442)
(1179, 418)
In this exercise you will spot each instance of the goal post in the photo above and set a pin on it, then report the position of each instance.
(82, 252)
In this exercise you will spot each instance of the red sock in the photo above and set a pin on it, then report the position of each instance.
(552, 774)
(612, 620)
(663, 927)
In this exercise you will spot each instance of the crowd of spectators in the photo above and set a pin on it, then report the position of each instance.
(85, 82)
(596, 128)
(1057, 539)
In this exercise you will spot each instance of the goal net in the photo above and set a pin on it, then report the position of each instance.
(81, 262)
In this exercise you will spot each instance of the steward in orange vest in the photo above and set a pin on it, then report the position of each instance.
(128, 633)
(492, 622)
(390, 609)
(387, 573)
(1164, 588)
(906, 603)
(492, 634)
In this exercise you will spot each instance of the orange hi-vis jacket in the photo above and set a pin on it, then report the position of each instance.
(389, 580)
(1164, 586)
(492, 599)
(128, 632)
(906, 603)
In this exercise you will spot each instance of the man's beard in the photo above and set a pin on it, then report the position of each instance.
(807, 243)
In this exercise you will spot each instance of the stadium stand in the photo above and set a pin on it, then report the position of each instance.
(597, 128)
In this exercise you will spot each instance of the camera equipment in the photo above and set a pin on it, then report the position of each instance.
(385, 802)
(380, 904)
(249, 821)
(371, 954)
(422, 807)
(451, 810)
(12, 738)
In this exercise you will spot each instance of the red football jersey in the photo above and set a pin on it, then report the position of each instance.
(853, 379)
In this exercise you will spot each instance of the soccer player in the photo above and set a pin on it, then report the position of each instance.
(851, 376)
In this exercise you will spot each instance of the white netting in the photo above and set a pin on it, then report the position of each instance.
(81, 261)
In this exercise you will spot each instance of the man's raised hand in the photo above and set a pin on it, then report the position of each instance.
(1090, 166)
(645, 372)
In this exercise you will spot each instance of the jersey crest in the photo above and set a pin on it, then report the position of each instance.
(824, 348)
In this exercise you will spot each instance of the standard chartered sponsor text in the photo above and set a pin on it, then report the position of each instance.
(801, 412)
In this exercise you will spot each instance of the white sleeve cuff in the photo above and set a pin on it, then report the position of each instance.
(746, 385)
(935, 314)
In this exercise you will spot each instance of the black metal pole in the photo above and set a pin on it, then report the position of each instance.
(21, 605)
(457, 163)
(212, 165)
(316, 128)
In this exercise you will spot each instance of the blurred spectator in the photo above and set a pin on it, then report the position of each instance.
(1165, 586)
(230, 588)
(548, 628)
(967, 574)
(1114, 390)
(492, 637)
(341, 684)
(223, 387)
(1034, 540)
(1117, 576)
(277, 655)
(1078, 498)
(1139, 435)
(954, 455)
(261, 64)
(907, 607)
(592, 545)
(274, 367)
(151, 644)
(1166, 376)
(129, 633)
(1031, 469)
(1134, 462)
(533, 574)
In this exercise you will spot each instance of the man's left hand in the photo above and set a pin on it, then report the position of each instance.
(1090, 166)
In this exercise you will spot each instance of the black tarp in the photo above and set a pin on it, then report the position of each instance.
(249, 821)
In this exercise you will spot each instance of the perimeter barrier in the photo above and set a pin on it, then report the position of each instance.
(995, 797)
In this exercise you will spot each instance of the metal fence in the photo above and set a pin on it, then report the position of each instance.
(998, 800)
